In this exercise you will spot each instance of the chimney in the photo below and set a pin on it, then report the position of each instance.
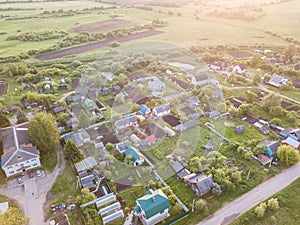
(153, 199)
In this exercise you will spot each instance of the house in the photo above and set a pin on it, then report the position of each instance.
(239, 69)
(200, 79)
(191, 113)
(126, 122)
(217, 65)
(80, 138)
(285, 133)
(156, 84)
(3, 207)
(295, 134)
(19, 155)
(277, 80)
(144, 110)
(177, 166)
(208, 147)
(137, 159)
(271, 147)
(201, 184)
(89, 103)
(161, 110)
(292, 142)
(116, 88)
(183, 173)
(122, 146)
(239, 129)
(153, 207)
(215, 114)
(93, 93)
(59, 109)
(264, 159)
(193, 101)
(187, 125)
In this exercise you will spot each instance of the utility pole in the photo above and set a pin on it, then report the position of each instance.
(248, 174)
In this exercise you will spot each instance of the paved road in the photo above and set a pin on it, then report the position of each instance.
(236, 208)
(31, 195)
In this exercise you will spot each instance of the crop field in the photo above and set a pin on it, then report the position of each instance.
(103, 26)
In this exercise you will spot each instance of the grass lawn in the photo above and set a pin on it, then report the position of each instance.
(65, 186)
(49, 161)
(287, 214)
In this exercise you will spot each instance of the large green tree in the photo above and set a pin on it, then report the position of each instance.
(13, 216)
(21, 117)
(288, 154)
(72, 152)
(43, 132)
(271, 100)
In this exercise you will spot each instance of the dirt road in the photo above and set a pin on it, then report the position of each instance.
(239, 206)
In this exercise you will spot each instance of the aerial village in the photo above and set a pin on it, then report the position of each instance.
(150, 146)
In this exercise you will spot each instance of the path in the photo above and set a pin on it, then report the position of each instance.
(232, 210)
(31, 195)
(66, 95)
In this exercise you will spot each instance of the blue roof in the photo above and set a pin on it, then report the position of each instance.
(130, 151)
(143, 110)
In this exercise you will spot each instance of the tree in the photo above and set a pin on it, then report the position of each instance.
(216, 189)
(200, 204)
(85, 196)
(260, 210)
(271, 100)
(288, 155)
(21, 117)
(13, 216)
(72, 152)
(4, 121)
(83, 120)
(289, 52)
(273, 220)
(250, 97)
(43, 132)
(236, 177)
(273, 204)
(194, 164)
(122, 79)
(276, 121)
(276, 111)
(255, 61)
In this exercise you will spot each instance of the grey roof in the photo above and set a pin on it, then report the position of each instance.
(122, 146)
(81, 90)
(162, 108)
(277, 80)
(156, 84)
(183, 173)
(59, 109)
(16, 146)
(177, 167)
(239, 129)
(202, 182)
(124, 121)
(194, 100)
(187, 125)
(273, 145)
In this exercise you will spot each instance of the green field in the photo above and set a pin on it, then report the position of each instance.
(184, 30)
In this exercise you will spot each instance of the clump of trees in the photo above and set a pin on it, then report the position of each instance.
(38, 36)
(13, 216)
(272, 204)
(288, 155)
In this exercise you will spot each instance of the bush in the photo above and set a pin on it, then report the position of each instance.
(114, 44)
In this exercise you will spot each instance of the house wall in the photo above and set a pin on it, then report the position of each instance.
(18, 167)
(161, 113)
(155, 219)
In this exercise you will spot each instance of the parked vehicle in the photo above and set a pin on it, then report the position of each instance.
(20, 180)
(38, 173)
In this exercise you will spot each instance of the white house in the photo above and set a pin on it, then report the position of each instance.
(239, 69)
(18, 153)
(162, 110)
(153, 207)
(277, 80)
(126, 122)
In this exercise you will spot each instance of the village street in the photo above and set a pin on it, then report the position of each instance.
(232, 210)
(31, 195)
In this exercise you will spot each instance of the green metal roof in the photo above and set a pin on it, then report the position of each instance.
(154, 204)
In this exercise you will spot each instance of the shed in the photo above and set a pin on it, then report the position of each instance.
(169, 131)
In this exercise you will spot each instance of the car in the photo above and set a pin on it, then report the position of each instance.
(31, 174)
(38, 173)
(20, 180)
